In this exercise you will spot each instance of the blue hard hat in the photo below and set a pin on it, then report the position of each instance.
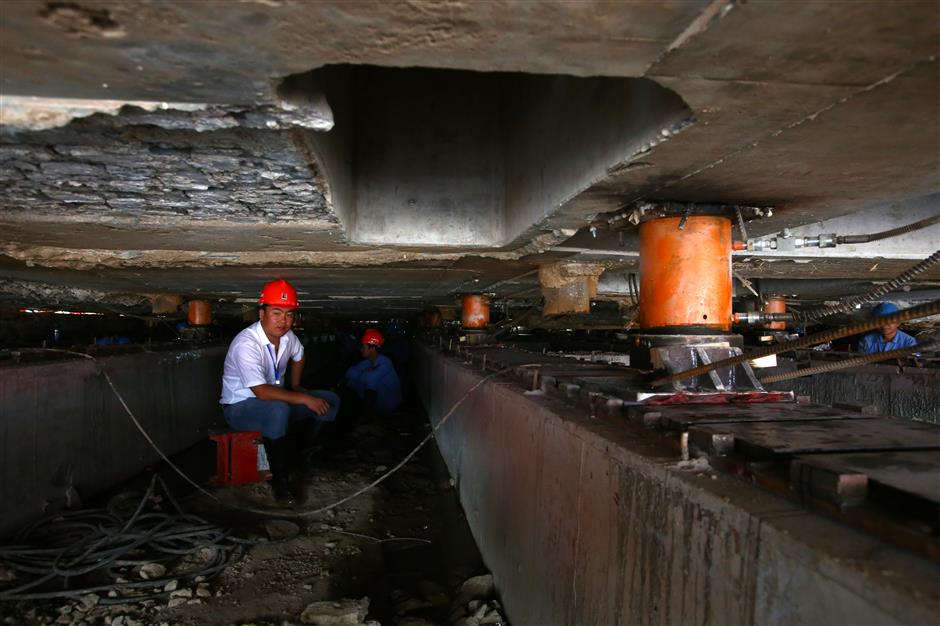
(885, 308)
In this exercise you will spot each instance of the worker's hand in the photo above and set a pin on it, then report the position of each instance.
(317, 405)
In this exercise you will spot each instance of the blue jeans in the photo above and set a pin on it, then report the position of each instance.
(271, 417)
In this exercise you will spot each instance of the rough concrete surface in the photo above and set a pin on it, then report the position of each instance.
(909, 392)
(62, 425)
(585, 521)
(96, 169)
(816, 109)
(398, 554)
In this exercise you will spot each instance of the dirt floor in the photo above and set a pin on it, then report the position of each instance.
(401, 553)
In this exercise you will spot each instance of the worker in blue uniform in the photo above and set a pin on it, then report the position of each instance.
(889, 337)
(374, 380)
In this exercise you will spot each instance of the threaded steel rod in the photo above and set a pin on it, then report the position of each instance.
(874, 294)
(844, 364)
(924, 310)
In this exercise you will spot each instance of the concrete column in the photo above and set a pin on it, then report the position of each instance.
(569, 287)
(165, 303)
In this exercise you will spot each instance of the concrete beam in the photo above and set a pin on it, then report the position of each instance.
(588, 521)
(62, 426)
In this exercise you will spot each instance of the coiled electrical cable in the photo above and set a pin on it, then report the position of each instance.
(849, 304)
(924, 310)
(847, 363)
(76, 553)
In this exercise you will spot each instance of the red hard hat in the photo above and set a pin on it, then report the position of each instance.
(372, 337)
(279, 293)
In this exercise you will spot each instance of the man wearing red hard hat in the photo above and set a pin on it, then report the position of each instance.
(374, 380)
(256, 394)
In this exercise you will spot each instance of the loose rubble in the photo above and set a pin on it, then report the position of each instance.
(305, 571)
(341, 613)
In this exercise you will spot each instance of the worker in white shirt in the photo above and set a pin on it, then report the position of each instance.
(254, 394)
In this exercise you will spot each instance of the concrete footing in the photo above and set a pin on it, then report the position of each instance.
(586, 521)
(61, 425)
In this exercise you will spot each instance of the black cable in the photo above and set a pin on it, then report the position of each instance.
(894, 232)
(92, 546)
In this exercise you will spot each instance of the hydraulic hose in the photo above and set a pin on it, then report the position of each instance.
(894, 232)
(849, 303)
(924, 310)
(844, 364)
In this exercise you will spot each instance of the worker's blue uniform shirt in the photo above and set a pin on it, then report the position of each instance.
(380, 378)
(874, 342)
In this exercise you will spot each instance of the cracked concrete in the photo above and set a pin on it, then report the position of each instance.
(570, 111)
(19, 113)
(99, 168)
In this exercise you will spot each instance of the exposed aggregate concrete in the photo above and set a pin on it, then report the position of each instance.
(98, 168)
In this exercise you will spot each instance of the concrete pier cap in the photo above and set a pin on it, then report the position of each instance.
(595, 521)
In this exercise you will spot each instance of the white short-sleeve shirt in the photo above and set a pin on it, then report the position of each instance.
(252, 360)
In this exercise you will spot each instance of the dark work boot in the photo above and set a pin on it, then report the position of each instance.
(277, 460)
(309, 430)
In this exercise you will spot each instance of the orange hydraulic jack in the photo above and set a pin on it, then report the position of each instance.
(775, 304)
(199, 313)
(685, 274)
(476, 311)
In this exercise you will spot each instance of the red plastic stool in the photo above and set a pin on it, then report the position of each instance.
(237, 457)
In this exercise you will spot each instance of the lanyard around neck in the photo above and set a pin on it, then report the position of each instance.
(277, 374)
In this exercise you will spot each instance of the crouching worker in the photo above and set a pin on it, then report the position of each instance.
(254, 394)
(374, 380)
(888, 338)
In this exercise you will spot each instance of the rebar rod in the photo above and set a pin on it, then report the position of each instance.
(924, 310)
(874, 357)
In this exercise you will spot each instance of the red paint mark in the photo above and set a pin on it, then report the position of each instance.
(721, 398)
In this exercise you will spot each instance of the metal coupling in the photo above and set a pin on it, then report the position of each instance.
(748, 317)
(759, 317)
(819, 241)
(788, 242)
(759, 245)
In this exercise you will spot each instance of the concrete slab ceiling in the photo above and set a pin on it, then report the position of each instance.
(367, 149)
